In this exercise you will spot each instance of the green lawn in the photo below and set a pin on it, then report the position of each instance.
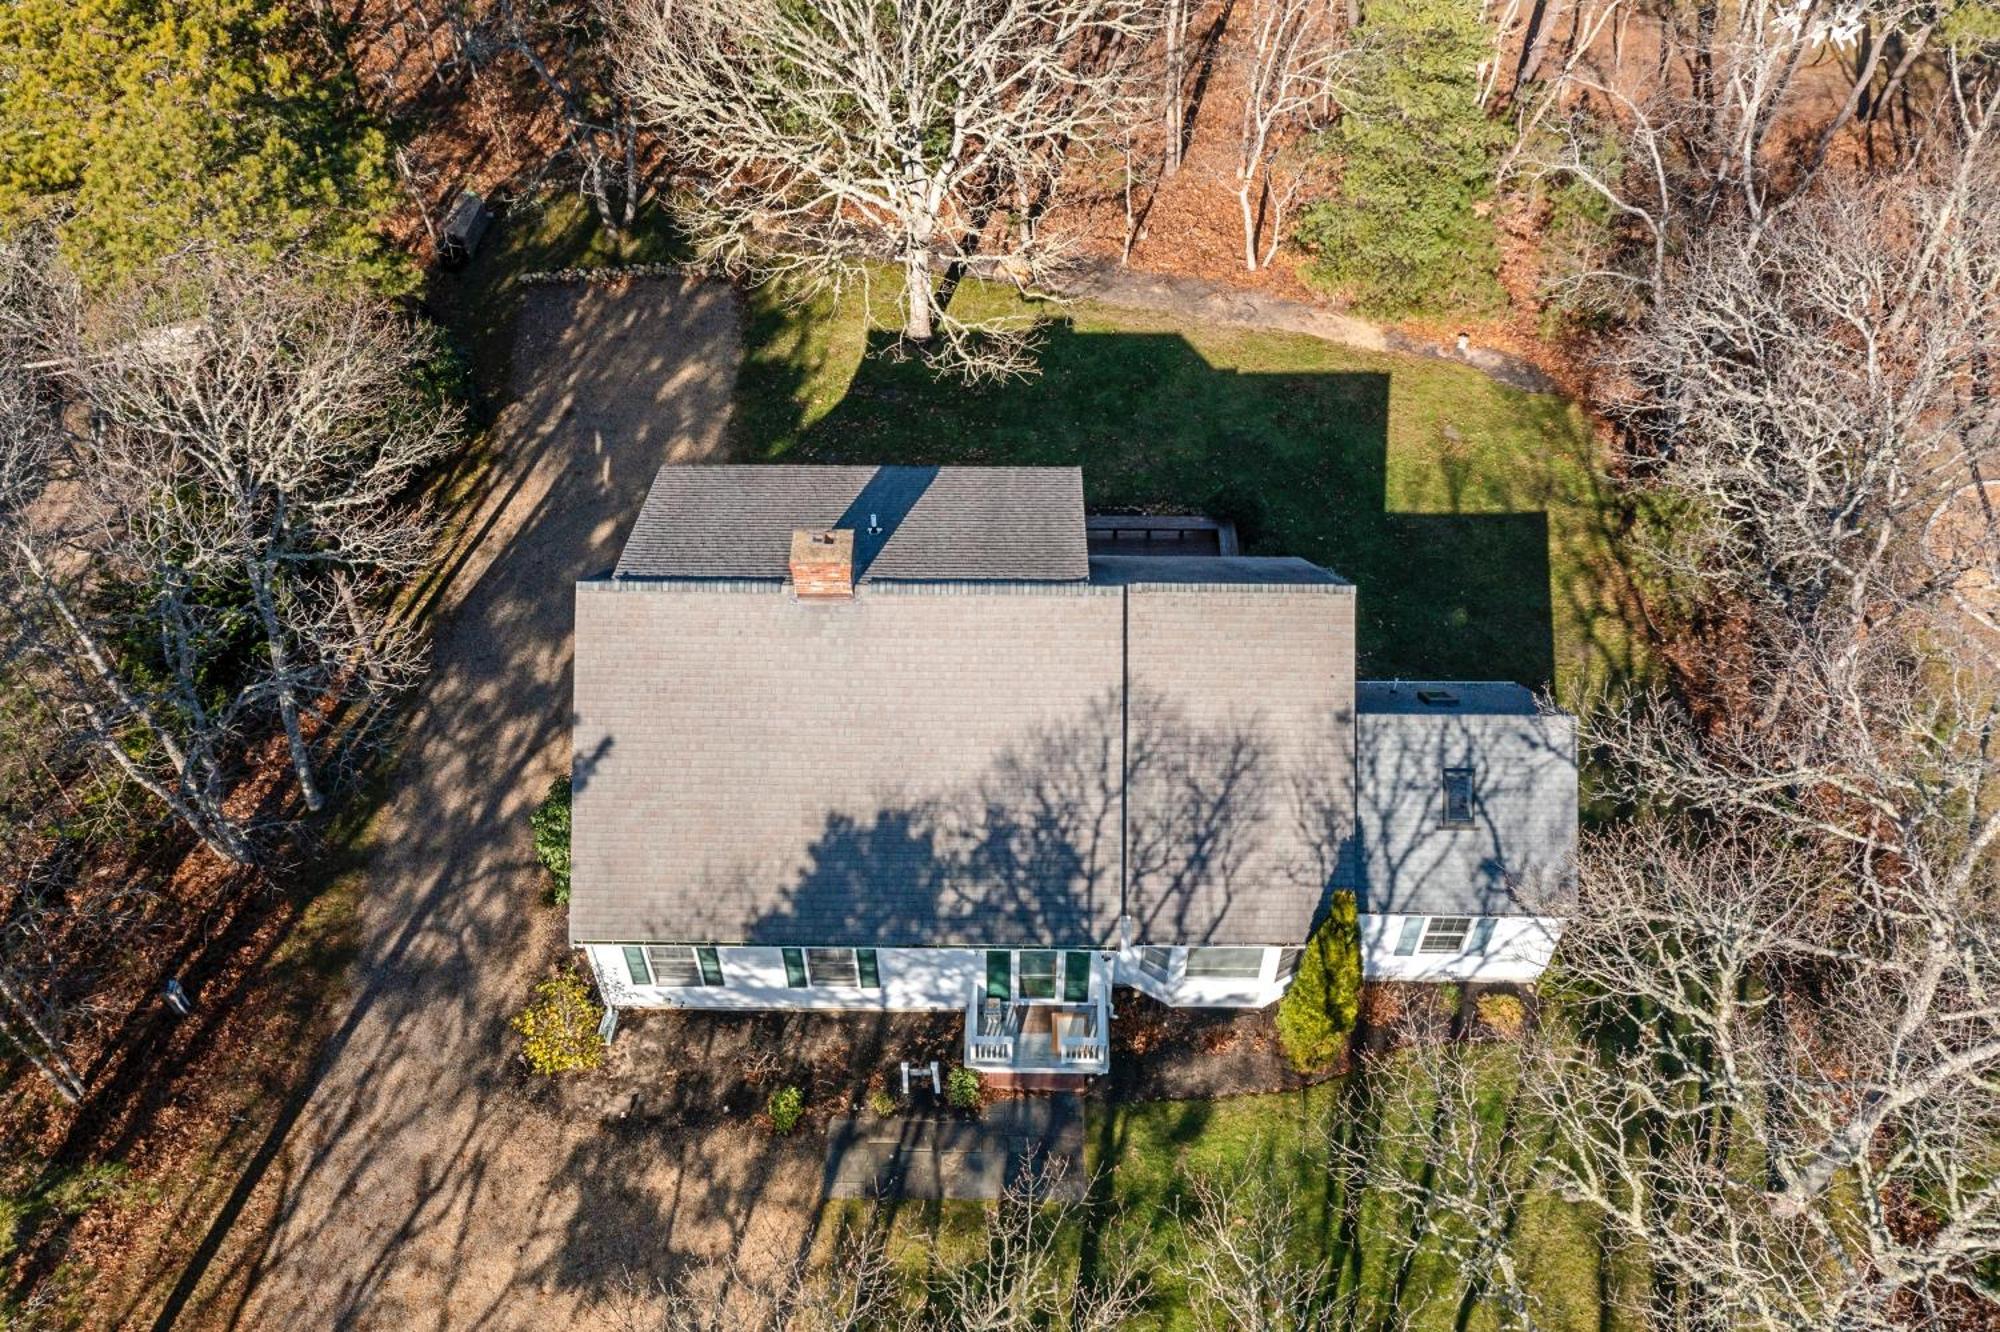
(1473, 518)
(1143, 1156)
(1154, 1148)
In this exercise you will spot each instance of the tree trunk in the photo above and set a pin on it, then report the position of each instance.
(281, 675)
(41, 1051)
(1249, 226)
(917, 293)
(1176, 76)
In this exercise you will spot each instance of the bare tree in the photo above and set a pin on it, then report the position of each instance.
(242, 442)
(275, 443)
(1242, 1262)
(1019, 1280)
(60, 931)
(1447, 1156)
(1792, 1020)
(1849, 407)
(853, 1291)
(823, 136)
(1702, 131)
(1286, 52)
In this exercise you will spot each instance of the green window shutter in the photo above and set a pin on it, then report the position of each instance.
(635, 965)
(999, 974)
(1076, 977)
(871, 970)
(1413, 930)
(711, 965)
(1482, 934)
(795, 968)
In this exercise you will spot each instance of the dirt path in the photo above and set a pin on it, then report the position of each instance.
(423, 1186)
(1201, 301)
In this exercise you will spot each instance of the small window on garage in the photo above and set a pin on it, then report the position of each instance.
(673, 964)
(870, 967)
(1225, 963)
(1156, 962)
(795, 968)
(710, 963)
(833, 966)
(635, 965)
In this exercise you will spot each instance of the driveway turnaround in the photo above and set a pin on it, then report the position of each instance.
(423, 1185)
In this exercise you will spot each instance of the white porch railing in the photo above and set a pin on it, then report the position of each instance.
(1020, 1037)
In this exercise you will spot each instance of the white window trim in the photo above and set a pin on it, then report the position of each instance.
(853, 961)
(1261, 974)
(1458, 949)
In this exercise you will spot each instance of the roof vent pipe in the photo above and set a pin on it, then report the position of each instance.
(874, 525)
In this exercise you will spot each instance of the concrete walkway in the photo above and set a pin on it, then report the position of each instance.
(1039, 1138)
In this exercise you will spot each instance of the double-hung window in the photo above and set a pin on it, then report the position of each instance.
(1156, 962)
(833, 966)
(1445, 934)
(1225, 963)
(840, 968)
(1037, 976)
(674, 965)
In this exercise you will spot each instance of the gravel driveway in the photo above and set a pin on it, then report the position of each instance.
(422, 1187)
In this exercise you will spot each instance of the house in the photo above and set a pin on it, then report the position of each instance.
(896, 738)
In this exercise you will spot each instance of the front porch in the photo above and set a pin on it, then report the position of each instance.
(1003, 1037)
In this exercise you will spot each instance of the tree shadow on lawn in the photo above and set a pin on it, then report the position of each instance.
(1299, 461)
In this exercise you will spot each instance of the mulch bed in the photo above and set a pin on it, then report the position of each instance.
(693, 1068)
(1186, 1054)
(689, 1068)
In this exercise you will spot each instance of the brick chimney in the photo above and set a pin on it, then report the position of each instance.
(823, 563)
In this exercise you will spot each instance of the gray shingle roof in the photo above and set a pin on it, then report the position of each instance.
(998, 741)
(943, 763)
(1018, 523)
(1522, 839)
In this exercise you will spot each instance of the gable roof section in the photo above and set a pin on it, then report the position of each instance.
(924, 765)
(933, 523)
(1522, 839)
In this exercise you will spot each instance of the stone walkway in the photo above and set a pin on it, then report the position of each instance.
(1213, 303)
(1039, 1137)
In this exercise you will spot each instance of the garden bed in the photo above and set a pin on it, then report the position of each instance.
(1184, 1054)
(691, 1068)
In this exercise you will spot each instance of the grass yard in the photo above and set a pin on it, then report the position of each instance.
(1143, 1156)
(1474, 518)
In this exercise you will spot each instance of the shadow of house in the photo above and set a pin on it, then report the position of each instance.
(1298, 461)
